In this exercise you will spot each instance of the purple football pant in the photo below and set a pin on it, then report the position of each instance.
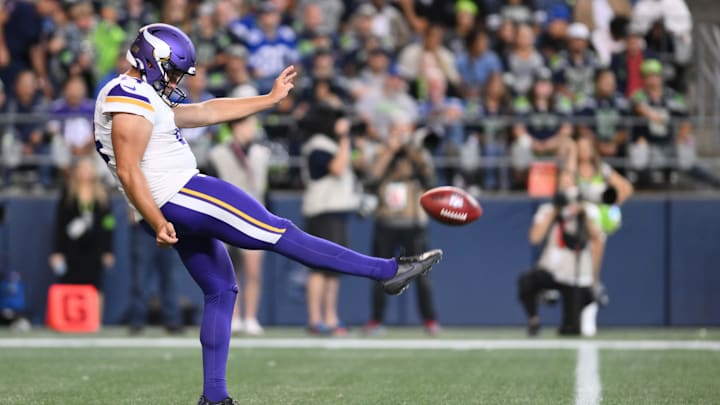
(206, 213)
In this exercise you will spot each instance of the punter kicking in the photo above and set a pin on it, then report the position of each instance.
(137, 121)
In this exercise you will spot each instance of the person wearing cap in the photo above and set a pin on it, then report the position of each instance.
(664, 132)
(626, 64)
(553, 38)
(466, 21)
(542, 125)
(574, 69)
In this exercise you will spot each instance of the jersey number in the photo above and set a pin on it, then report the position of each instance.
(99, 146)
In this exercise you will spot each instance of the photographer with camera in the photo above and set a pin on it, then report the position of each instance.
(568, 228)
(401, 172)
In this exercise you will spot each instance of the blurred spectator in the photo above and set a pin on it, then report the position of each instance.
(598, 16)
(21, 45)
(443, 116)
(121, 66)
(601, 115)
(323, 16)
(665, 131)
(377, 108)
(148, 261)
(135, 14)
(210, 40)
(466, 24)
(323, 70)
(358, 41)
(107, 38)
(523, 62)
(477, 64)
(418, 59)
(372, 77)
(626, 64)
(542, 125)
(602, 186)
(505, 40)
(401, 172)
(244, 162)
(387, 23)
(518, 12)
(567, 229)
(312, 35)
(328, 200)
(271, 46)
(668, 24)
(12, 302)
(490, 129)
(177, 13)
(71, 123)
(234, 80)
(25, 143)
(79, 37)
(200, 139)
(84, 226)
(574, 69)
(553, 38)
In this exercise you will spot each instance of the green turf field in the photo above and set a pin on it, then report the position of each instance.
(162, 370)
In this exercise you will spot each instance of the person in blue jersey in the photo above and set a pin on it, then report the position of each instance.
(574, 68)
(138, 117)
(271, 45)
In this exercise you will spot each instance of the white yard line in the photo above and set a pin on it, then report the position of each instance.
(587, 377)
(320, 343)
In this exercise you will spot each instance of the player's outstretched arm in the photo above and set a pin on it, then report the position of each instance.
(130, 136)
(219, 110)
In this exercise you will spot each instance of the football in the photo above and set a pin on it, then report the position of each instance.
(451, 205)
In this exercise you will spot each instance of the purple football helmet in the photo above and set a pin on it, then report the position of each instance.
(163, 54)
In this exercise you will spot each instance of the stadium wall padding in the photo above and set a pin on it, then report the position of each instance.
(661, 268)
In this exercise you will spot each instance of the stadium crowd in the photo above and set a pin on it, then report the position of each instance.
(489, 86)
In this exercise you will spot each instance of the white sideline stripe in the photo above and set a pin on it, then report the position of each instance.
(319, 343)
(220, 214)
(587, 377)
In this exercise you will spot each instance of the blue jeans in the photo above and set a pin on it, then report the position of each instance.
(149, 260)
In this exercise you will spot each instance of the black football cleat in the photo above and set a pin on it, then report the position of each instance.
(226, 401)
(409, 268)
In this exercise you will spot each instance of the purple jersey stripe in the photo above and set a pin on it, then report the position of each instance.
(119, 91)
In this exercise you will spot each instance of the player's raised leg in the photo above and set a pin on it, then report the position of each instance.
(218, 209)
(209, 264)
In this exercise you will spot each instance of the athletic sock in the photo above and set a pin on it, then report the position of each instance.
(322, 254)
(215, 340)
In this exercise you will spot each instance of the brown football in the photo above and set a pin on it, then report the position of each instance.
(451, 205)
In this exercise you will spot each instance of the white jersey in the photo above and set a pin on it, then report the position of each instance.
(168, 162)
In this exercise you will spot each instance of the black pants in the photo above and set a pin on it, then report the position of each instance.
(387, 241)
(574, 299)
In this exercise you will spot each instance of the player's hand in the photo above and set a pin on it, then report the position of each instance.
(165, 235)
(283, 84)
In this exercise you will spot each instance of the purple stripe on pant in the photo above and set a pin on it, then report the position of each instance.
(202, 225)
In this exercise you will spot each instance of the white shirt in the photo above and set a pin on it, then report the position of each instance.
(558, 259)
(168, 162)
